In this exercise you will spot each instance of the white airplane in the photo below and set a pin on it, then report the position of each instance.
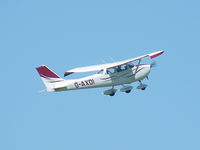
(108, 75)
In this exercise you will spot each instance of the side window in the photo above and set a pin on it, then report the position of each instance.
(100, 72)
(118, 69)
(124, 67)
(130, 65)
(110, 71)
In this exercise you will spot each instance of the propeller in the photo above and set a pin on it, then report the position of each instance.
(153, 64)
(147, 77)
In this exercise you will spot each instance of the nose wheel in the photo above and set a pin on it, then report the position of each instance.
(142, 86)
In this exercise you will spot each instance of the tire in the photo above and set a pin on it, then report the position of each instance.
(128, 91)
(143, 88)
(112, 94)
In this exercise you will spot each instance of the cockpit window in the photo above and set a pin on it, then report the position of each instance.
(124, 67)
(130, 65)
(110, 71)
(100, 72)
(119, 68)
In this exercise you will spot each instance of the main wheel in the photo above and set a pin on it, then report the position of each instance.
(143, 88)
(112, 94)
(128, 91)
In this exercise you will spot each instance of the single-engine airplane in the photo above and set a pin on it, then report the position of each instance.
(108, 75)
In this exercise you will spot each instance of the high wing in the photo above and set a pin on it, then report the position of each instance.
(110, 65)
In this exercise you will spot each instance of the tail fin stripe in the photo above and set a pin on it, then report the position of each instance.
(46, 72)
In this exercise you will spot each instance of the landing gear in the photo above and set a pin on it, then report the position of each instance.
(126, 89)
(113, 94)
(142, 86)
(110, 92)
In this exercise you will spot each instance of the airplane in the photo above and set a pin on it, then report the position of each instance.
(108, 75)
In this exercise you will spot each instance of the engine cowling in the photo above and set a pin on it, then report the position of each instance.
(142, 72)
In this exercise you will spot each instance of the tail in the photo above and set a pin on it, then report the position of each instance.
(51, 80)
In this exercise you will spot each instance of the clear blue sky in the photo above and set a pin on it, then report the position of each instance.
(66, 34)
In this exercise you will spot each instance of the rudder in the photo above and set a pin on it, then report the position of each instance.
(50, 79)
(45, 72)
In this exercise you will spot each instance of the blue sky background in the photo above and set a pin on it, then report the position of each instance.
(66, 34)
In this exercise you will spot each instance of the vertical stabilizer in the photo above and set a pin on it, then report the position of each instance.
(50, 79)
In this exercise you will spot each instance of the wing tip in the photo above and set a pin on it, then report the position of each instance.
(156, 54)
(67, 73)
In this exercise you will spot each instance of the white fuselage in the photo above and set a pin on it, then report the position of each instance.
(104, 79)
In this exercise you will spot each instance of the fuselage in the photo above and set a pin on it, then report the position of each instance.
(109, 75)
(105, 78)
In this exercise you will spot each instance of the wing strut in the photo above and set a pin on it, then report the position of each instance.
(112, 65)
(138, 65)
